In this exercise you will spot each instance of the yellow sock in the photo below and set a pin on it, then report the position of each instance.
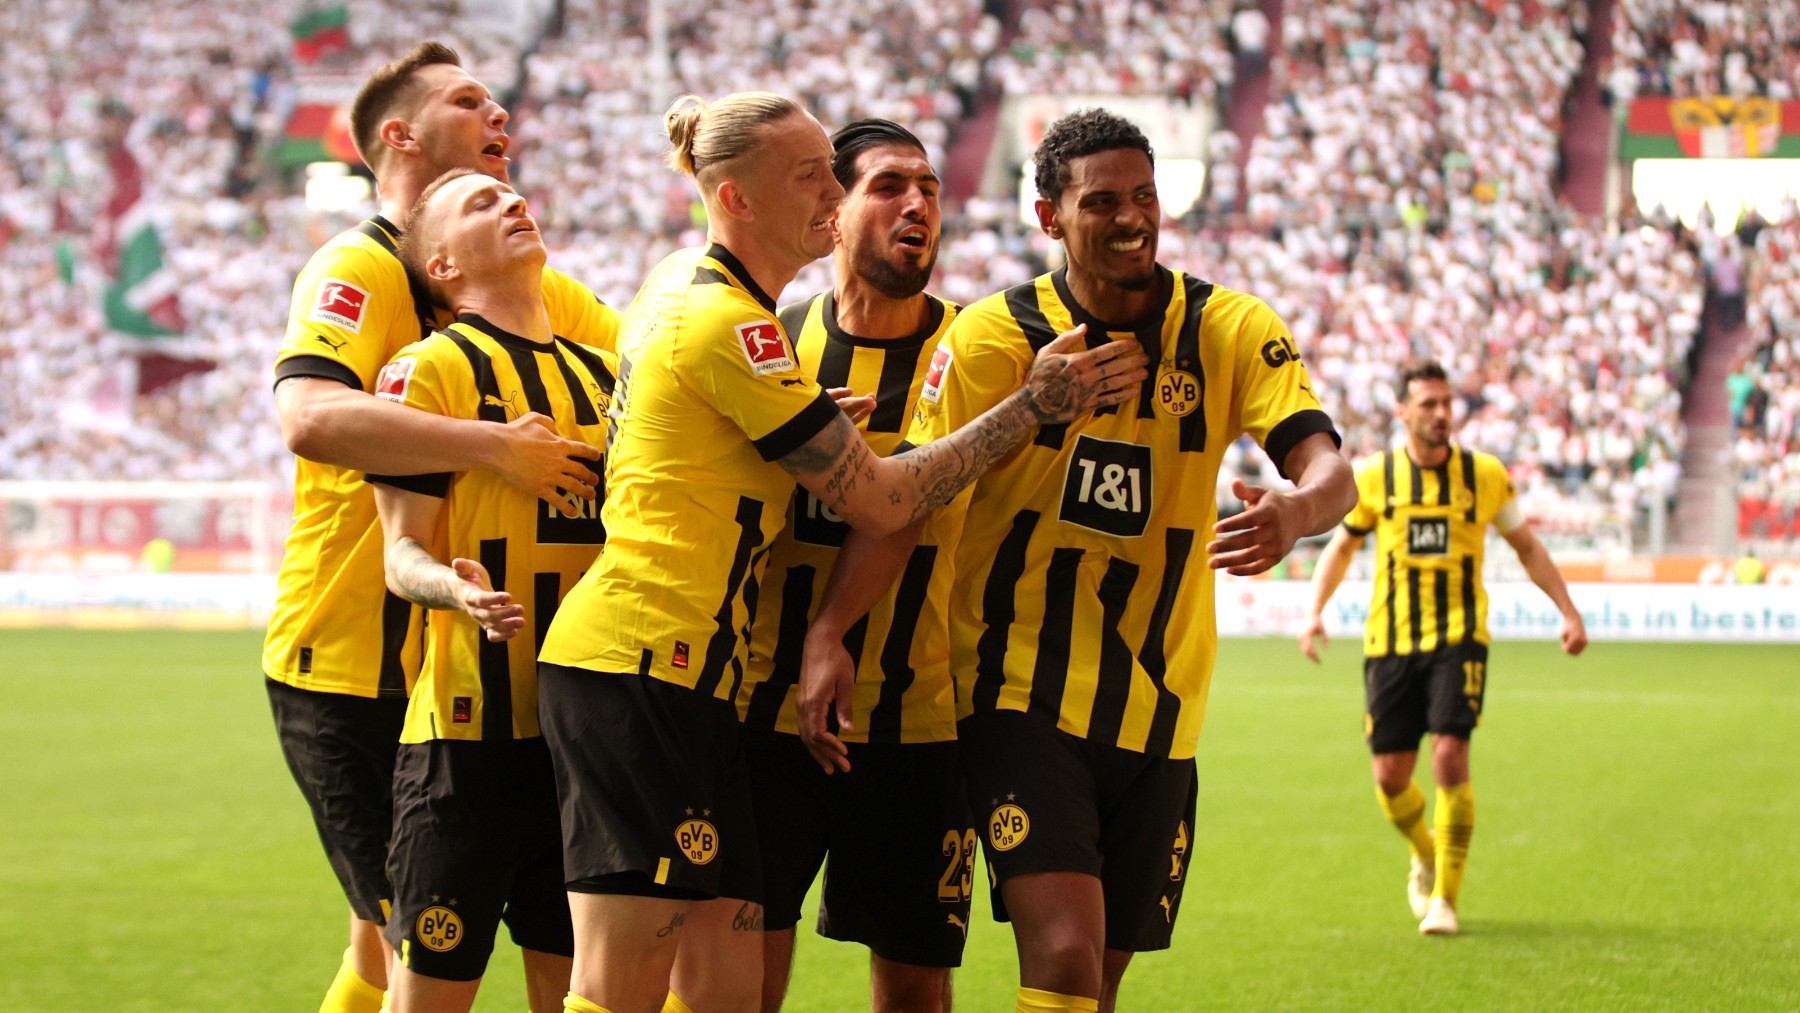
(1033, 1000)
(672, 1004)
(1406, 811)
(573, 1003)
(1455, 822)
(350, 994)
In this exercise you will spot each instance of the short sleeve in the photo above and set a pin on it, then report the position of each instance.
(744, 365)
(414, 378)
(981, 360)
(1277, 406)
(579, 315)
(342, 317)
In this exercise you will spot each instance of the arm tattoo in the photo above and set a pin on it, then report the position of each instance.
(1054, 394)
(419, 577)
(946, 467)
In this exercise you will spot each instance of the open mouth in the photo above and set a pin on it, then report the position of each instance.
(523, 225)
(1131, 245)
(915, 237)
(496, 148)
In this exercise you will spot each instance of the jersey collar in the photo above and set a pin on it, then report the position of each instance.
(934, 318)
(740, 275)
(505, 337)
(1147, 328)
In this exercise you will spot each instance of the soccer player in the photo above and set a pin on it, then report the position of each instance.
(476, 838)
(341, 651)
(712, 425)
(1429, 504)
(1081, 624)
(897, 830)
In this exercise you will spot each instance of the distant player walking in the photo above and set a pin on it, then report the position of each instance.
(1429, 504)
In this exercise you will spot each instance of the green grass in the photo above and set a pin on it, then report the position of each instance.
(1634, 848)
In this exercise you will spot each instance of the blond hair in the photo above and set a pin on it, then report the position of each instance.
(706, 133)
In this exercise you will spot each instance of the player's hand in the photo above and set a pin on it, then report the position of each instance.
(827, 678)
(539, 462)
(1261, 536)
(848, 402)
(494, 610)
(1315, 630)
(1574, 635)
(1067, 381)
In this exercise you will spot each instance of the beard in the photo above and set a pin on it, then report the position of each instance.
(893, 280)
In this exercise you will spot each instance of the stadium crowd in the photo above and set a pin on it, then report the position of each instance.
(1664, 47)
(1398, 203)
(1765, 388)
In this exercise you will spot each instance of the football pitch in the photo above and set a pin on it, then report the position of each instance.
(1635, 843)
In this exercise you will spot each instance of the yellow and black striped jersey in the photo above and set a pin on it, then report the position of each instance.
(335, 627)
(903, 691)
(709, 398)
(1430, 528)
(468, 687)
(1082, 589)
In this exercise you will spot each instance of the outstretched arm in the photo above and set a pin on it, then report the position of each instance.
(1543, 572)
(1327, 575)
(413, 573)
(880, 495)
(325, 420)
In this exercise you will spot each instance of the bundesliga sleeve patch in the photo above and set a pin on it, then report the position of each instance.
(934, 376)
(764, 348)
(395, 377)
(339, 303)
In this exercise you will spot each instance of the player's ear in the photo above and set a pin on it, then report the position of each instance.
(1046, 215)
(441, 268)
(396, 133)
(733, 202)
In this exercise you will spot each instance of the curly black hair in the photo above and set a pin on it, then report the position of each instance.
(1082, 132)
(858, 136)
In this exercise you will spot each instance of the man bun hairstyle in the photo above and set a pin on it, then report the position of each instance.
(858, 136)
(388, 91)
(703, 134)
(1082, 132)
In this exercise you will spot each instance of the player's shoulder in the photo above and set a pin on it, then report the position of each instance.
(1485, 463)
(356, 253)
(558, 285)
(995, 315)
(797, 317)
(1369, 463)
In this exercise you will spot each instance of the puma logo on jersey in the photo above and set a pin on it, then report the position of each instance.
(959, 923)
(340, 303)
(506, 405)
(328, 343)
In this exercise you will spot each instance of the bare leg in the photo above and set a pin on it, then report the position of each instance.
(1394, 771)
(547, 977)
(1059, 924)
(1111, 974)
(624, 949)
(416, 993)
(778, 966)
(718, 967)
(908, 988)
(370, 954)
(1449, 760)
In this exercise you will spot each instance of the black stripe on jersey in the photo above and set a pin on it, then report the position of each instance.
(1392, 618)
(793, 434)
(1417, 480)
(1358, 532)
(317, 366)
(1114, 684)
(495, 661)
(546, 598)
(523, 353)
(1443, 482)
(384, 234)
(898, 366)
(1441, 603)
(998, 609)
(492, 408)
(1468, 597)
(1468, 476)
(585, 415)
(1147, 330)
(1387, 484)
(379, 235)
(752, 595)
(1290, 431)
(1178, 544)
(736, 267)
(790, 644)
(721, 648)
(897, 673)
(835, 360)
(1187, 357)
(592, 360)
(1022, 303)
(396, 617)
(1050, 674)
(1412, 605)
(793, 317)
(435, 484)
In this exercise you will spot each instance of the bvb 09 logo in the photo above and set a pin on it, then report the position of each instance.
(1177, 392)
(1008, 827)
(698, 840)
(439, 929)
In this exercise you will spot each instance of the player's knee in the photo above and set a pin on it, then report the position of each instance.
(907, 988)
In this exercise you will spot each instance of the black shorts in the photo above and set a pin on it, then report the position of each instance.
(1408, 695)
(1046, 801)
(340, 749)
(654, 792)
(897, 831)
(476, 843)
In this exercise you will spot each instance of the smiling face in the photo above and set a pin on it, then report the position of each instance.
(475, 226)
(1107, 218)
(789, 189)
(889, 223)
(458, 124)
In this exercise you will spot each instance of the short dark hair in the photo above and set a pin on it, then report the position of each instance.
(1426, 370)
(858, 136)
(1082, 132)
(387, 90)
(411, 248)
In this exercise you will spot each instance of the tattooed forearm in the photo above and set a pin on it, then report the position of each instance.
(822, 451)
(945, 467)
(417, 576)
